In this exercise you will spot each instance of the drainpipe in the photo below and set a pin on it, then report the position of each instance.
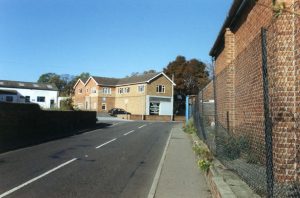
(172, 114)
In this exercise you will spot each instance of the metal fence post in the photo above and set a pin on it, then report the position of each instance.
(186, 109)
(268, 120)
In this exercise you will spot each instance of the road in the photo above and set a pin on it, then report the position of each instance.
(119, 160)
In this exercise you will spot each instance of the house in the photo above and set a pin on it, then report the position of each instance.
(28, 92)
(149, 94)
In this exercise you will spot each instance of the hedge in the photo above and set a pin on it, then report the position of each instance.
(26, 124)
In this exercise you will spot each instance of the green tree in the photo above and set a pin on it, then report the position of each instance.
(53, 78)
(64, 82)
(189, 75)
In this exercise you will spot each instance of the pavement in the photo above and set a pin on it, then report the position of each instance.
(179, 176)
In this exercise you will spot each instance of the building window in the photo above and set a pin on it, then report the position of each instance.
(40, 99)
(121, 90)
(9, 98)
(93, 90)
(160, 89)
(27, 99)
(80, 91)
(103, 107)
(106, 90)
(141, 88)
(87, 90)
(126, 89)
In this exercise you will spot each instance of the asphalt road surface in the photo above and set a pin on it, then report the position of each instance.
(115, 161)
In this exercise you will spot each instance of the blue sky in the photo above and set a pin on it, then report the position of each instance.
(104, 37)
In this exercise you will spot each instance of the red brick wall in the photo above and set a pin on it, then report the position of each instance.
(239, 88)
(208, 92)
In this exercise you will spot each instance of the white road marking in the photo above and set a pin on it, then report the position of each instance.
(128, 132)
(114, 124)
(142, 126)
(104, 144)
(36, 178)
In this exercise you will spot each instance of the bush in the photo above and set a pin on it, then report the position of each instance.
(233, 147)
(66, 104)
(204, 165)
(190, 127)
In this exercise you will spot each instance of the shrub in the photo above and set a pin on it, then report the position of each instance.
(204, 165)
(231, 148)
(66, 104)
(190, 127)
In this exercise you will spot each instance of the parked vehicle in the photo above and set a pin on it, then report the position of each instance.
(116, 111)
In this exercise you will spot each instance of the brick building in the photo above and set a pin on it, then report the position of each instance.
(239, 80)
(150, 94)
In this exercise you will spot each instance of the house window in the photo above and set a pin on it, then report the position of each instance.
(103, 107)
(40, 99)
(9, 98)
(160, 89)
(106, 90)
(121, 90)
(27, 99)
(141, 88)
(80, 91)
(87, 90)
(126, 89)
(93, 90)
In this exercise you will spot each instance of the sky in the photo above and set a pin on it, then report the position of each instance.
(111, 38)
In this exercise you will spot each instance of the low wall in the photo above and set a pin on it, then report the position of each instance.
(157, 117)
(25, 124)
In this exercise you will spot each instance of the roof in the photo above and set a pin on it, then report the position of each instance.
(145, 78)
(233, 15)
(27, 85)
(8, 92)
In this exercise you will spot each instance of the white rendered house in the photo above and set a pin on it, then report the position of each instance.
(27, 92)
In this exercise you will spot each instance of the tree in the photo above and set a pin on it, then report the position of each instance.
(64, 82)
(151, 71)
(69, 87)
(53, 78)
(189, 75)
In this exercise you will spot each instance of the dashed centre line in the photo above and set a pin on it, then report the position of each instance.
(106, 143)
(36, 178)
(142, 126)
(128, 132)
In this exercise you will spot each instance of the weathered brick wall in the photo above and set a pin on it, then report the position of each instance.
(282, 48)
(208, 92)
(239, 87)
(297, 85)
(249, 117)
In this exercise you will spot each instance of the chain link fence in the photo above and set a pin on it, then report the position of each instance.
(249, 113)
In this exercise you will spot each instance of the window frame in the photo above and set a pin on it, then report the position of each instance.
(103, 105)
(106, 90)
(41, 97)
(160, 89)
(11, 98)
(93, 90)
(141, 86)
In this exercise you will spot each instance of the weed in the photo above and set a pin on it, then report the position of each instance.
(204, 164)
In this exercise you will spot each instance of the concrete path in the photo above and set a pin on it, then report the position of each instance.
(180, 176)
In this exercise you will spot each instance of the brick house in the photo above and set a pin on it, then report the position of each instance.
(239, 81)
(150, 94)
